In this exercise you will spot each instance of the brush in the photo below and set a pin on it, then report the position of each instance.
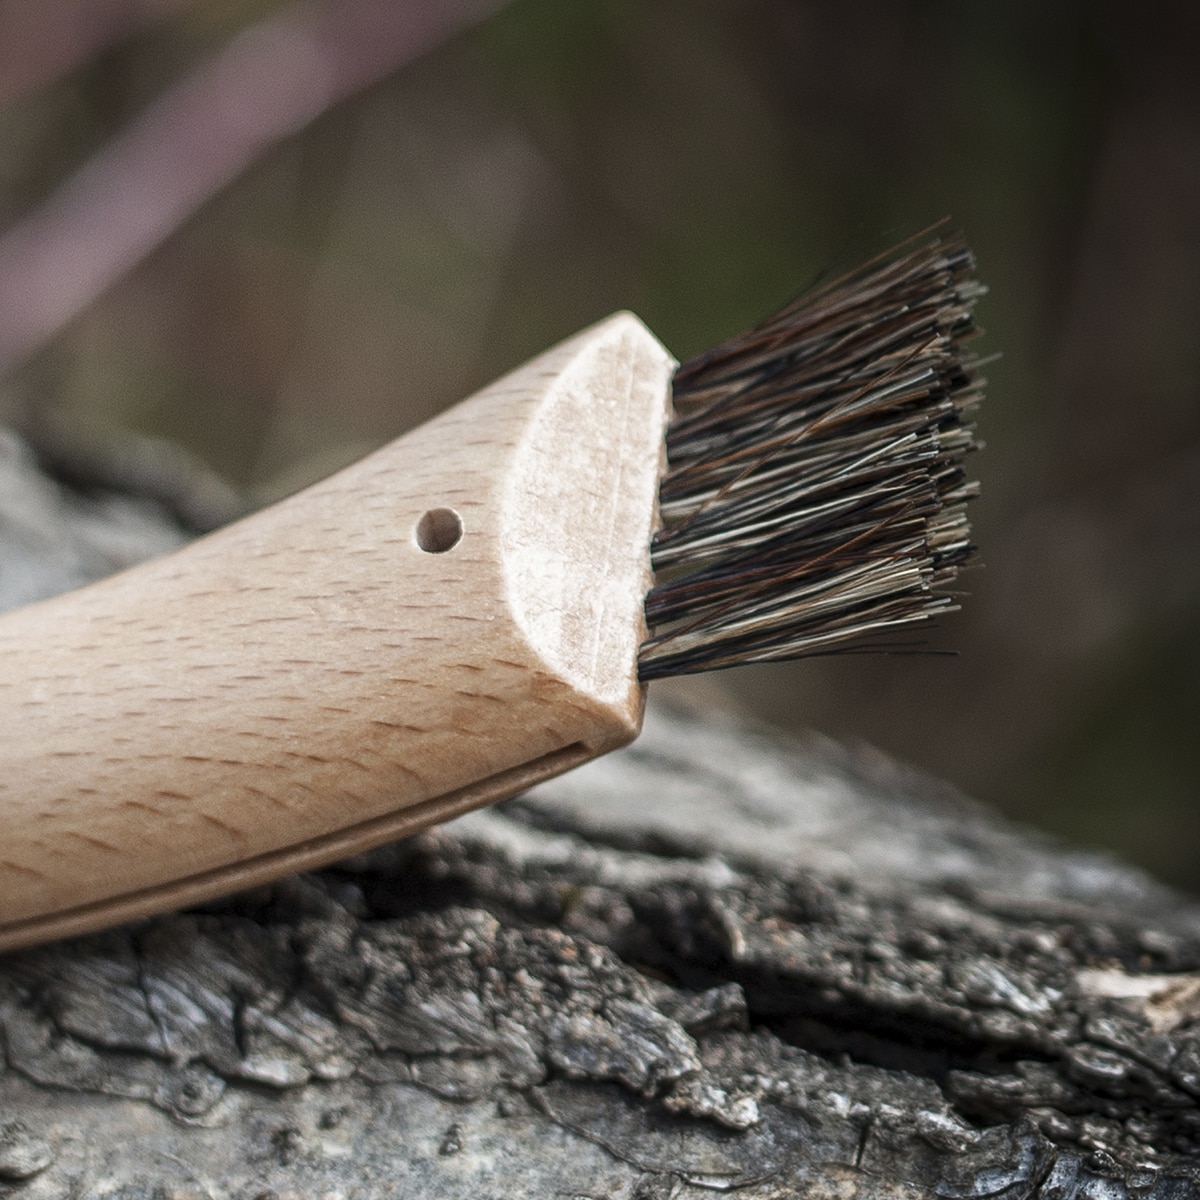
(479, 605)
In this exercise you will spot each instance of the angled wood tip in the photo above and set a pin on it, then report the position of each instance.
(580, 509)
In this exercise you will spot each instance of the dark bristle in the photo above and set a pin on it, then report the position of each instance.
(814, 499)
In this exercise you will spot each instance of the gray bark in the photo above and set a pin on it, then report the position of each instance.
(716, 961)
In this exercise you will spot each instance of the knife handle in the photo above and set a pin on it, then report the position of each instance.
(451, 619)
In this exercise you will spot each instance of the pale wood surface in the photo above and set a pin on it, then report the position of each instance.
(309, 682)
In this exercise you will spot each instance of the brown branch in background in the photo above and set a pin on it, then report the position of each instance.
(40, 42)
(270, 82)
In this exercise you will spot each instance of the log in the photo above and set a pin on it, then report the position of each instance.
(717, 961)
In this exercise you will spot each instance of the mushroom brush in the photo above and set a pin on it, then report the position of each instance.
(479, 605)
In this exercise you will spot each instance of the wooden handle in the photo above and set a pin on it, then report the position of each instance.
(440, 625)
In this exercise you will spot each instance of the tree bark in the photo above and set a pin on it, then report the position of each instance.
(716, 961)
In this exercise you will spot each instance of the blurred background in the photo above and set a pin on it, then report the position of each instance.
(281, 234)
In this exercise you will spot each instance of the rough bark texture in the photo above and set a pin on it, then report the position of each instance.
(712, 962)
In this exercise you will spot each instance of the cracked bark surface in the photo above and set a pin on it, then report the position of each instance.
(714, 962)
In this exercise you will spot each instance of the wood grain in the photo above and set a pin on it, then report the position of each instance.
(309, 681)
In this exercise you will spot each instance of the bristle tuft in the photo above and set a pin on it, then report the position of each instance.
(814, 499)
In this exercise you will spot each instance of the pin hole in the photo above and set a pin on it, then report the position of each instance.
(439, 530)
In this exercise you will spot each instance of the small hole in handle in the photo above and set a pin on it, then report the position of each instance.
(439, 530)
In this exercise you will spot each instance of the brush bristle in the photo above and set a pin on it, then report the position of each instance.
(814, 498)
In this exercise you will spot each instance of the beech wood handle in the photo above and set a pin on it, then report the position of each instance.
(438, 626)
